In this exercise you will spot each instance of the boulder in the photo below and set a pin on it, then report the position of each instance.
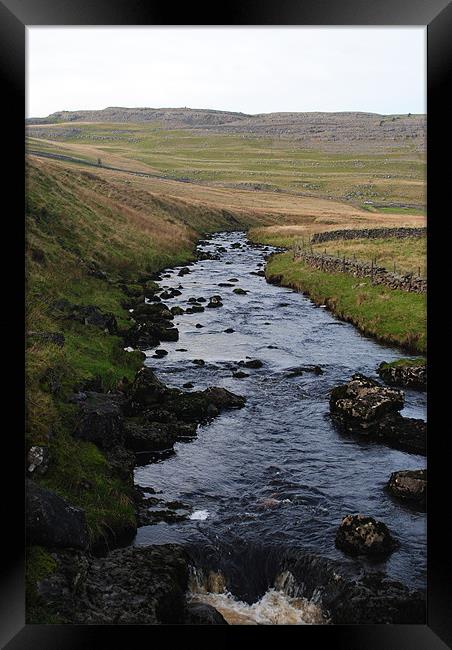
(362, 401)
(254, 363)
(224, 399)
(146, 391)
(376, 600)
(363, 535)
(92, 315)
(203, 614)
(409, 374)
(215, 301)
(51, 521)
(149, 436)
(409, 485)
(300, 370)
(100, 420)
(371, 598)
(363, 406)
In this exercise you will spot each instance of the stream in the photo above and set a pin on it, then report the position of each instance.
(276, 473)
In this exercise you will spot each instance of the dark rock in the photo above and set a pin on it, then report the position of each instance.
(407, 375)
(215, 301)
(409, 485)
(184, 271)
(239, 291)
(363, 406)
(159, 353)
(52, 522)
(199, 326)
(240, 374)
(254, 363)
(188, 385)
(136, 585)
(362, 535)
(152, 312)
(407, 434)
(151, 436)
(122, 463)
(203, 614)
(376, 600)
(229, 330)
(92, 315)
(363, 401)
(233, 280)
(225, 284)
(197, 309)
(146, 391)
(100, 420)
(199, 362)
(299, 370)
(371, 599)
(224, 399)
(177, 311)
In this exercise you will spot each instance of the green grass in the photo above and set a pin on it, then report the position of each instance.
(39, 565)
(406, 255)
(383, 176)
(420, 361)
(394, 317)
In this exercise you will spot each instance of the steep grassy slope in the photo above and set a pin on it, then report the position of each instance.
(77, 225)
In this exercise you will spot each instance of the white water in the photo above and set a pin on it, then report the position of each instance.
(276, 607)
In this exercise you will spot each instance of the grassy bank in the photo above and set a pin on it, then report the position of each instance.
(87, 238)
(393, 317)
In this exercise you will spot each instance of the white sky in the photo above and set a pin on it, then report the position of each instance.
(253, 70)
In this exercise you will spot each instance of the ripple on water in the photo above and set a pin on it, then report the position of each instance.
(282, 445)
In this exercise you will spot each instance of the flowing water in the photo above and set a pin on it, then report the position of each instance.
(277, 472)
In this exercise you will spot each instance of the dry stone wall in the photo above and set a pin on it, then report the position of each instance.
(378, 274)
(368, 233)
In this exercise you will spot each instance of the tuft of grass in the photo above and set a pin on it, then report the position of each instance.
(393, 317)
(420, 361)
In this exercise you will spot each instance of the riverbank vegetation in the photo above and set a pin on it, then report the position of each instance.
(392, 316)
(87, 242)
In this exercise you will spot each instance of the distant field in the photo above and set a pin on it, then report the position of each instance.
(250, 162)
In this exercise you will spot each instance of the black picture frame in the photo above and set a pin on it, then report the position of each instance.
(15, 15)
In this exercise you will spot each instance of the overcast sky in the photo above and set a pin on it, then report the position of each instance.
(253, 70)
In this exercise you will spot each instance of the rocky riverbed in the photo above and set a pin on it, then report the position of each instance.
(240, 469)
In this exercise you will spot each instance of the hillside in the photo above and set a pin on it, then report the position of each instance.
(355, 131)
